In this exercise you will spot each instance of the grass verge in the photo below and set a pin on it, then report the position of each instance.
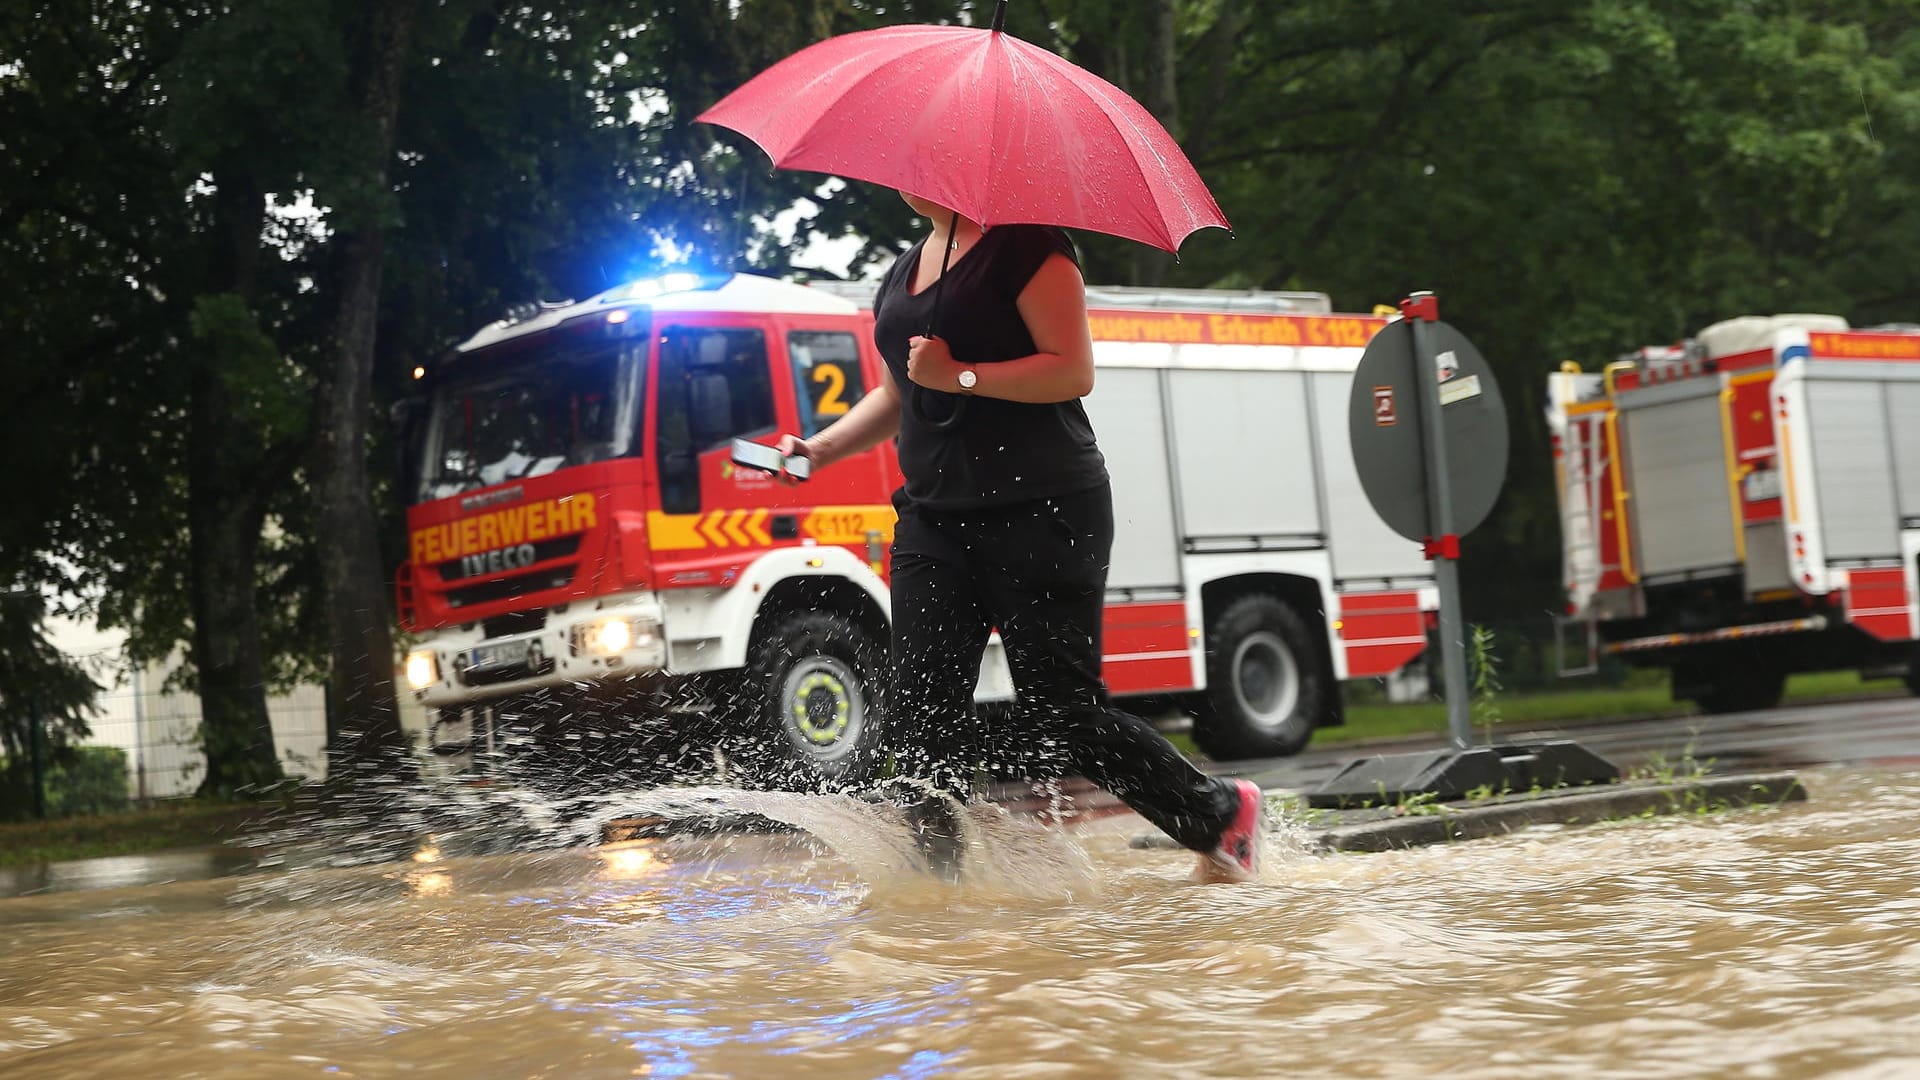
(1576, 706)
(190, 823)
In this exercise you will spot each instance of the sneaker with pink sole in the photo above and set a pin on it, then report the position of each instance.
(1237, 856)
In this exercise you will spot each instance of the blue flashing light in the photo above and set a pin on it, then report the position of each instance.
(649, 288)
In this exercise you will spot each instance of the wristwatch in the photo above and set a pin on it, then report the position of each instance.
(968, 380)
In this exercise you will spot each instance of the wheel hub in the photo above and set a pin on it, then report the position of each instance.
(1266, 679)
(823, 704)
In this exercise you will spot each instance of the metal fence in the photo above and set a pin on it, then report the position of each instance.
(159, 730)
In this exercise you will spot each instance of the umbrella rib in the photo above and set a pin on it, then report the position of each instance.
(1134, 147)
(1125, 126)
(872, 74)
(802, 137)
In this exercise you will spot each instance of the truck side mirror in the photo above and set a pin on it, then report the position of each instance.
(407, 411)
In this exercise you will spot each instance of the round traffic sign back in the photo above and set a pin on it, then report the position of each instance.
(1389, 444)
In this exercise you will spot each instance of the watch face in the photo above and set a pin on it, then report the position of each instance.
(967, 379)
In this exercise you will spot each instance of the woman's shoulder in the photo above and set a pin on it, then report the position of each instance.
(1041, 240)
(1023, 250)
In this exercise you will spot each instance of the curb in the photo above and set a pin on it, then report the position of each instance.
(1388, 829)
(1571, 808)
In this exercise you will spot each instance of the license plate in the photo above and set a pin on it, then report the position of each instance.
(499, 654)
(1762, 484)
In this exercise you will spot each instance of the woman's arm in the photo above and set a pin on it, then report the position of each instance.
(873, 420)
(1054, 307)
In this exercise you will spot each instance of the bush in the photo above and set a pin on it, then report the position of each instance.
(79, 780)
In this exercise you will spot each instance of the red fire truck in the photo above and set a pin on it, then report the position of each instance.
(1745, 504)
(577, 520)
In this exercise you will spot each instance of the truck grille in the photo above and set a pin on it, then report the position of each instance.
(544, 551)
(514, 622)
(518, 585)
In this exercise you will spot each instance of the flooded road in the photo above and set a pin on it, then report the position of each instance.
(1770, 943)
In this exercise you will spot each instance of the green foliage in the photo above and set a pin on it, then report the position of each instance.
(259, 381)
(38, 683)
(1664, 770)
(1483, 677)
(78, 780)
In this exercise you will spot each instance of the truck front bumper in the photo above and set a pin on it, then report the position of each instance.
(587, 642)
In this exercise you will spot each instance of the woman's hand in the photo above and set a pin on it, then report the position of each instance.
(930, 364)
(795, 446)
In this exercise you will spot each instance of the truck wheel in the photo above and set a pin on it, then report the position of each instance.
(1742, 690)
(817, 678)
(1266, 685)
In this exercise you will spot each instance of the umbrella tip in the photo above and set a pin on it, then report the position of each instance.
(999, 17)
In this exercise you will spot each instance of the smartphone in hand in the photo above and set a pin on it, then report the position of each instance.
(753, 455)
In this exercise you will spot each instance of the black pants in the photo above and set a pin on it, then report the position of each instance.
(1037, 571)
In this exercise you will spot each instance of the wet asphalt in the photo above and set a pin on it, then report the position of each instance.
(1867, 733)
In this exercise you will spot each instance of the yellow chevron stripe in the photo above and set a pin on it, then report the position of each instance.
(673, 532)
(757, 527)
(848, 524)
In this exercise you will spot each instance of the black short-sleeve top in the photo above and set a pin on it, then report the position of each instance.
(1001, 451)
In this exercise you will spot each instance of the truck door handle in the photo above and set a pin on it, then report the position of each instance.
(786, 527)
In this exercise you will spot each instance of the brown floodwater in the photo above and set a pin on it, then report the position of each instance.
(1771, 943)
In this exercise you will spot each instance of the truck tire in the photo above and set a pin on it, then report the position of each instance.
(1266, 684)
(1744, 689)
(815, 681)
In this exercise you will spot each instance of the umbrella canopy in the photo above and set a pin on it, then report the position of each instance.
(985, 124)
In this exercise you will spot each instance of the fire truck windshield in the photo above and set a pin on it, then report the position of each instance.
(530, 413)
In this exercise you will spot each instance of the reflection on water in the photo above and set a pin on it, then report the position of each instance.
(120, 871)
(1779, 942)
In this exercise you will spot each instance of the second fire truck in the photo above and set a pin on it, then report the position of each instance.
(1745, 505)
(577, 521)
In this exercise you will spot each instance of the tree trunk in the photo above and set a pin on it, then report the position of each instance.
(1159, 93)
(364, 722)
(235, 730)
(224, 518)
(1216, 54)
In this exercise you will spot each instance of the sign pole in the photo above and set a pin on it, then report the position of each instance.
(1443, 541)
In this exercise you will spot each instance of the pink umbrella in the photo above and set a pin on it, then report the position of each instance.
(983, 123)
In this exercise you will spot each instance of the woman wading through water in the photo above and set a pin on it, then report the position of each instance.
(1006, 521)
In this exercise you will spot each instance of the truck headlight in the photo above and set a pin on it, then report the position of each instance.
(611, 636)
(614, 634)
(422, 670)
(607, 637)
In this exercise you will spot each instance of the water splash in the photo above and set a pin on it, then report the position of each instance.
(416, 829)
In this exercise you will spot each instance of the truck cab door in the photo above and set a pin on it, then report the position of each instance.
(714, 386)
